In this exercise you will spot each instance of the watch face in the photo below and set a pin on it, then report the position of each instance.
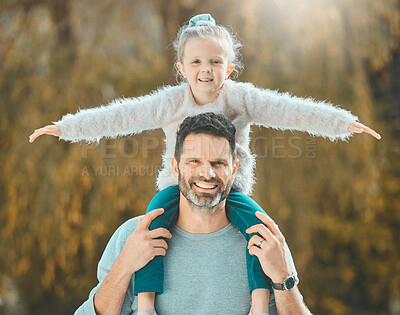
(289, 283)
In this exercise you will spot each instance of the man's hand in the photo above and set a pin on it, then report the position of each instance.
(140, 247)
(272, 255)
(272, 251)
(143, 245)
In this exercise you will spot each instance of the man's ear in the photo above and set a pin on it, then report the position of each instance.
(175, 169)
(229, 70)
(235, 168)
(181, 69)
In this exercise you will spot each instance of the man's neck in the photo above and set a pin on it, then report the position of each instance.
(197, 223)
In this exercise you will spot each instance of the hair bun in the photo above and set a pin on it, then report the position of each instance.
(202, 19)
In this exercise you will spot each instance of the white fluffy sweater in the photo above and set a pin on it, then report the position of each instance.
(242, 103)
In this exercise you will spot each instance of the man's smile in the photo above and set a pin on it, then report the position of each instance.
(206, 186)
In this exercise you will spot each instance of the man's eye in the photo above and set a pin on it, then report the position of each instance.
(194, 161)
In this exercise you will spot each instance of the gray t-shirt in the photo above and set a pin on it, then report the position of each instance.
(204, 273)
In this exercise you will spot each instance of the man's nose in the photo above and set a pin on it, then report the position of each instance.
(206, 170)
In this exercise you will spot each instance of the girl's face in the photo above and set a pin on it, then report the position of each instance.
(205, 66)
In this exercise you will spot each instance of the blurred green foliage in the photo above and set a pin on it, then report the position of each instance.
(337, 203)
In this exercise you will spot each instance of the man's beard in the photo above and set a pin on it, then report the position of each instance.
(204, 203)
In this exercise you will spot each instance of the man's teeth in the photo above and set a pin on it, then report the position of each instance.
(206, 186)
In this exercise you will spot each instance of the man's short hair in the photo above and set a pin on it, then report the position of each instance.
(209, 123)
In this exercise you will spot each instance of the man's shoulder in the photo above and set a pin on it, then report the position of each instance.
(117, 242)
(125, 229)
(129, 225)
(132, 222)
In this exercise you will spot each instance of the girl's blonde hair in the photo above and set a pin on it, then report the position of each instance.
(218, 33)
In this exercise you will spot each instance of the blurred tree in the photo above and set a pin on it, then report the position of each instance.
(333, 205)
(60, 204)
(385, 84)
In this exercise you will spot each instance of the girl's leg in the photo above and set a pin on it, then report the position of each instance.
(151, 277)
(241, 210)
(260, 302)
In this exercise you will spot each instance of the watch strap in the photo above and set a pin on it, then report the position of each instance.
(289, 283)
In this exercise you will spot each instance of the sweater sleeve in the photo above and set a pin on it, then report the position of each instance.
(284, 111)
(110, 254)
(122, 116)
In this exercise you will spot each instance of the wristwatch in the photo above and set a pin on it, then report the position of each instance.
(287, 284)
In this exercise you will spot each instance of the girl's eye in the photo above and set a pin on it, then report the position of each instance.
(196, 61)
(216, 61)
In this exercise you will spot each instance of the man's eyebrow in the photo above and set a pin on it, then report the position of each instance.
(190, 158)
(197, 158)
(220, 160)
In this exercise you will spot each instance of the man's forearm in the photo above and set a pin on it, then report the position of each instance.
(111, 294)
(290, 302)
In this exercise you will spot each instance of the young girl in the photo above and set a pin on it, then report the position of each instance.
(207, 54)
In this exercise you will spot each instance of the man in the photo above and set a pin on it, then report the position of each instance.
(205, 269)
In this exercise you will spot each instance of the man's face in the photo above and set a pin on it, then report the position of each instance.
(206, 170)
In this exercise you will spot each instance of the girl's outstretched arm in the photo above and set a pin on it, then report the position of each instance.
(119, 118)
(286, 112)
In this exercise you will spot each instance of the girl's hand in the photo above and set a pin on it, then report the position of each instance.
(360, 128)
(52, 130)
